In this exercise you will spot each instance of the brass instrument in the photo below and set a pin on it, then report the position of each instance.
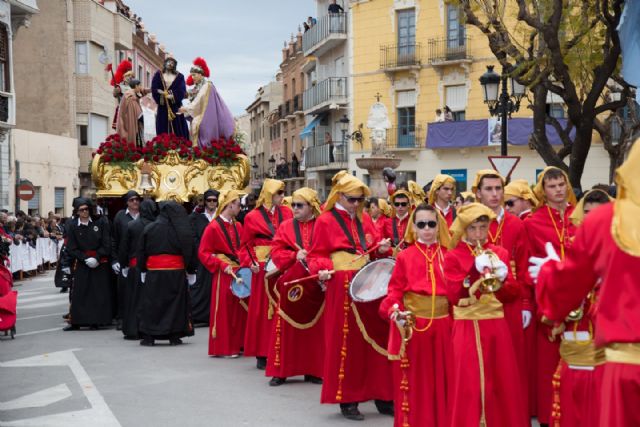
(489, 282)
(407, 324)
(576, 315)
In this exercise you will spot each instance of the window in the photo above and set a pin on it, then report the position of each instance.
(406, 35)
(406, 119)
(83, 139)
(455, 27)
(4, 60)
(34, 204)
(293, 88)
(98, 129)
(82, 58)
(148, 84)
(456, 100)
(59, 200)
(140, 72)
(555, 110)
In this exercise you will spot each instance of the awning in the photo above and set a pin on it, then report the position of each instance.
(308, 130)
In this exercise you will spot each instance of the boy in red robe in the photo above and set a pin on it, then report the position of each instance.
(380, 212)
(441, 196)
(420, 350)
(519, 199)
(356, 368)
(397, 224)
(218, 252)
(297, 338)
(260, 226)
(549, 223)
(486, 386)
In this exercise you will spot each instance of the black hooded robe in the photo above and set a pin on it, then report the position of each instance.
(200, 291)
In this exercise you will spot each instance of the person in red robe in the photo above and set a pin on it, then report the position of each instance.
(297, 338)
(260, 226)
(487, 387)
(507, 231)
(396, 227)
(606, 248)
(218, 252)
(420, 350)
(356, 368)
(519, 199)
(380, 213)
(549, 223)
(441, 196)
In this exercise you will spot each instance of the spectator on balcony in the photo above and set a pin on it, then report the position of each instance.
(329, 141)
(306, 27)
(295, 164)
(439, 116)
(311, 21)
(448, 114)
(334, 7)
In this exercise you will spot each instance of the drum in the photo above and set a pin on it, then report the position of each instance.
(372, 281)
(270, 269)
(242, 287)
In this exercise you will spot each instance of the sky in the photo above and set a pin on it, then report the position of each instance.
(241, 40)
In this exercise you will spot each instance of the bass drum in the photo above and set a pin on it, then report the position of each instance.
(372, 281)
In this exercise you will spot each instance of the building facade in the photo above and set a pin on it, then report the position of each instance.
(418, 56)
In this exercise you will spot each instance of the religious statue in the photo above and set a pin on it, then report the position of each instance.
(168, 89)
(378, 122)
(120, 83)
(130, 123)
(211, 118)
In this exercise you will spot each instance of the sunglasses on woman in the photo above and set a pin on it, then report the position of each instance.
(422, 224)
(296, 205)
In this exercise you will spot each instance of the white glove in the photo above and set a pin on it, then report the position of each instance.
(142, 277)
(66, 270)
(501, 270)
(483, 261)
(526, 319)
(125, 272)
(537, 263)
(191, 279)
(116, 267)
(91, 262)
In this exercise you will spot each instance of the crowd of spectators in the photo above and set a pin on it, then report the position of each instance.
(23, 228)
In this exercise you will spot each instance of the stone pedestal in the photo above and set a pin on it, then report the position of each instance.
(374, 165)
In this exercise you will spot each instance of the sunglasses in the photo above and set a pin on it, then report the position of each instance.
(212, 200)
(398, 204)
(422, 224)
(353, 200)
(298, 205)
(509, 203)
(83, 210)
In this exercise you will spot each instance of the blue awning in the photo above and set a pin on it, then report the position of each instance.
(311, 126)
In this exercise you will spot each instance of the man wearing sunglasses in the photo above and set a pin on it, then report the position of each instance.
(507, 231)
(355, 370)
(200, 292)
(397, 226)
(297, 340)
(519, 199)
(441, 195)
(120, 223)
(89, 243)
(260, 226)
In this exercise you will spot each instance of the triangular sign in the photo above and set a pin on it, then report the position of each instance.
(504, 164)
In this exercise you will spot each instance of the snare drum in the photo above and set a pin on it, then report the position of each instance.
(242, 287)
(270, 269)
(372, 281)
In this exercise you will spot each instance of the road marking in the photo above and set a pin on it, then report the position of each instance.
(30, 299)
(42, 305)
(99, 415)
(40, 316)
(42, 331)
(39, 399)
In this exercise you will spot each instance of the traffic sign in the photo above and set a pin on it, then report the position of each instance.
(26, 191)
(504, 164)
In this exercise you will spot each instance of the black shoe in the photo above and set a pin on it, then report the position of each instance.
(93, 327)
(350, 411)
(71, 328)
(131, 337)
(175, 341)
(261, 363)
(385, 407)
(66, 316)
(63, 290)
(313, 380)
(147, 342)
(276, 381)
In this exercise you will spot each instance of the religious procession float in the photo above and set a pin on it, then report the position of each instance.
(195, 148)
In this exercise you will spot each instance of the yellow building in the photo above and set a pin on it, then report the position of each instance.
(417, 56)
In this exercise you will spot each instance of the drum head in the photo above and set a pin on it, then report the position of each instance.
(242, 288)
(372, 281)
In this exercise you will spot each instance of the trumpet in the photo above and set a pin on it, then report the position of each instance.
(489, 282)
(407, 324)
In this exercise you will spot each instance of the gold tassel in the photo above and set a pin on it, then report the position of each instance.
(345, 333)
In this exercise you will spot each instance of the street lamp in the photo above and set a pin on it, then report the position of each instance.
(346, 136)
(500, 102)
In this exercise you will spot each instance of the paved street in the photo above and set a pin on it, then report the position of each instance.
(95, 378)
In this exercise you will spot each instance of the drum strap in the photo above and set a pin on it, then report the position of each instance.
(396, 239)
(296, 230)
(220, 222)
(343, 225)
(272, 229)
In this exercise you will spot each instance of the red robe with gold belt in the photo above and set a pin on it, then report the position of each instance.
(561, 288)
(546, 225)
(486, 378)
(422, 369)
(297, 337)
(228, 316)
(256, 247)
(356, 368)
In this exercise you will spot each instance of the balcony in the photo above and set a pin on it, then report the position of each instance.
(329, 32)
(98, 24)
(326, 157)
(320, 97)
(297, 105)
(445, 51)
(404, 138)
(400, 57)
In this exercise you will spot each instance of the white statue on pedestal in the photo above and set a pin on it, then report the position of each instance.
(378, 121)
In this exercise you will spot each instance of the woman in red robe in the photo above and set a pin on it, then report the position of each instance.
(218, 252)
(486, 382)
(297, 337)
(422, 355)
(260, 226)
(356, 368)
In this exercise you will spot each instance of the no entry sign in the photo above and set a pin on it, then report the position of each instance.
(26, 191)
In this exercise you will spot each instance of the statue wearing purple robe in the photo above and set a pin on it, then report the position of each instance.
(168, 89)
(211, 116)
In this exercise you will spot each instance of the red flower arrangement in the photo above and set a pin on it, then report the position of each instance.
(118, 150)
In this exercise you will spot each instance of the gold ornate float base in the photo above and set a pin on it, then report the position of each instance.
(172, 178)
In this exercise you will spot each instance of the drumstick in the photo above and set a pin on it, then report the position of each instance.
(239, 280)
(303, 279)
(303, 262)
(376, 246)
